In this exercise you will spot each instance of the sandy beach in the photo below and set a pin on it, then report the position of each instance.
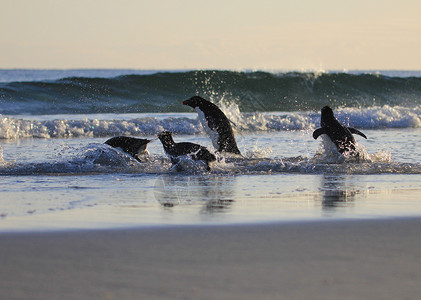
(354, 259)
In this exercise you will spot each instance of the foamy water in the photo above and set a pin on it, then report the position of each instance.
(187, 124)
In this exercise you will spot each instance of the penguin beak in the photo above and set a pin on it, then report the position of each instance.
(186, 102)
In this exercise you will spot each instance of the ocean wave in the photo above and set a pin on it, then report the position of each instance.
(251, 91)
(364, 118)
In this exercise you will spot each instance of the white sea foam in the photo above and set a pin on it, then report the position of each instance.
(102, 159)
(381, 117)
(365, 118)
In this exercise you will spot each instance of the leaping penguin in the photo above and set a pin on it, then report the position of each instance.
(340, 135)
(215, 123)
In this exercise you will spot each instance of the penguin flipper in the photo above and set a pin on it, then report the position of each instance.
(318, 132)
(355, 131)
(235, 125)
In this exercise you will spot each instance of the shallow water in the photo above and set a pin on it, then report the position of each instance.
(49, 184)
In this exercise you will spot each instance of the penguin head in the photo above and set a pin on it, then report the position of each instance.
(166, 138)
(327, 113)
(194, 101)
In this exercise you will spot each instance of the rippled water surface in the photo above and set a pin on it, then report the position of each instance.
(284, 176)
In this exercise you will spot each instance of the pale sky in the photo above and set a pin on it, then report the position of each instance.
(217, 34)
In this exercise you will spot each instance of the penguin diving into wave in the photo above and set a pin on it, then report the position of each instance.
(133, 146)
(340, 135)
(175, 150)
(215, 123)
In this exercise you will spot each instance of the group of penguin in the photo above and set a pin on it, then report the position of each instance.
(218, 127)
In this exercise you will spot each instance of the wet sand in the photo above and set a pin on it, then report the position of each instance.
(353, 259)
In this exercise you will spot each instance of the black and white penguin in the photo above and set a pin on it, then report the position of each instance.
(175, 150)
(215, 123)
(133, 146)
(340, 135)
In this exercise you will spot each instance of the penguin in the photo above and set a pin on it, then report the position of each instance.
(340, 135)
(175, 150)
(215, 123)
(130, 145)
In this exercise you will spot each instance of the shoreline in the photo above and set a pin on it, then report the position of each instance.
(332, 259)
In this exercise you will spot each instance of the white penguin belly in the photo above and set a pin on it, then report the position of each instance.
(213, 134)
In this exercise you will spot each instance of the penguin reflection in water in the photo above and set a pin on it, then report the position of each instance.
(175, 150)
(340, 135)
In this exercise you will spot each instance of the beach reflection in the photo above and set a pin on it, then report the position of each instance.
(337, 192)
(215, 194)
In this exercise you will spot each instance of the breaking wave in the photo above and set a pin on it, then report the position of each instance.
(188, 124)
(250, 91)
